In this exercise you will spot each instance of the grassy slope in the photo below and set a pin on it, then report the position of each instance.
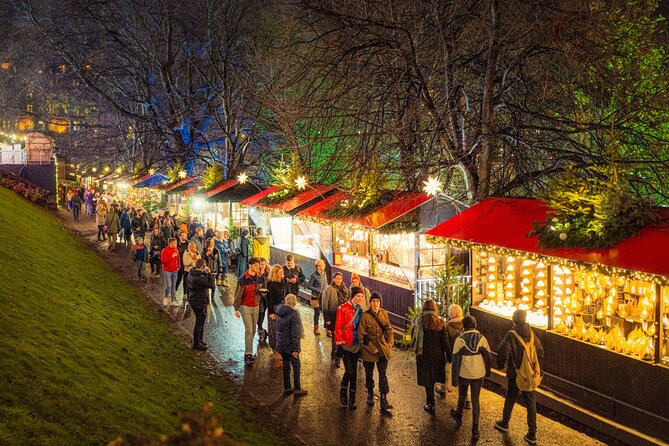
(83, 357)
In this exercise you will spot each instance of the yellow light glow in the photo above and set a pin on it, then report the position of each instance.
(432, 186)
(301, 182)
(242, 178)
(182, 174)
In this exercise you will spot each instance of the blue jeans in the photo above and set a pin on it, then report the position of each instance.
(289, 360)
(171, 284)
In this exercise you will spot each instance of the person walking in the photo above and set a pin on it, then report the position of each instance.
(100, 218)
(429, 340)
(76, 205)
(276, 292)
(334, 296)
(171, 262)
(200, 281)
(517, 341)
(223, 244)
(167, 228)
(189, 258)
(140, 255)
(377, 342)
(182, 246)
(355, 283)
(454, 328)
(113, 222)
(138, 225)
(346, 337)
(293, 274)
(263, 270)
(250, 286)
(471, 365)
(213, 259)
(317, 284)
(125, 225)
(289, 333)
(158, 243)
(243, 256)
(199, 239)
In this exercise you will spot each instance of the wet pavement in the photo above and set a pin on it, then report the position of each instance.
(318, 418)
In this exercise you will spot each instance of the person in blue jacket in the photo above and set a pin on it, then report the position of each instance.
(289, 334)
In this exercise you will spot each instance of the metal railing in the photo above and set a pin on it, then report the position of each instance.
(427, 289)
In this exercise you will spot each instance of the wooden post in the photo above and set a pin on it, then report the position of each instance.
(549, 295)
(659, 329)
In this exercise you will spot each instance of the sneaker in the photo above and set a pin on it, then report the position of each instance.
(174, 303)
(457, 417)
(500, 426)
(530, 438)
(429, 408)
(200, 347)
(165, 301)
(300, 392)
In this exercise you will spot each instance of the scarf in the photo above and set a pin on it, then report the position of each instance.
(342, 292)
(417, 333)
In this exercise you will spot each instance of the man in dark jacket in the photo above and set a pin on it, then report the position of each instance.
(182, 246)
(293, 275)
(200, 281)
(509, 358)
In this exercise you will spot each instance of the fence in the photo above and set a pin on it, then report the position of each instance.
(427, 289)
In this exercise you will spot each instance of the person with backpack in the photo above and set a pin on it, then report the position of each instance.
(471, 365)
(519, 354)
(140, 254)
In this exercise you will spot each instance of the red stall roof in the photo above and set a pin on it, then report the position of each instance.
(191, 191)
(289, 204)
(402, 203)
(505, 222)
(181, 182)
(220, 188)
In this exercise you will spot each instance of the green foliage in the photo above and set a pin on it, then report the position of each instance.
(591, 211)
(85, 356)
(284, 177)
(449, 288)
(368, 193)
(174, 174)
(235, 231)
(411, 314)
(212, 176)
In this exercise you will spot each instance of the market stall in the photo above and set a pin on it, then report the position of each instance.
(386, 247)
(222, 204)
(287, 235)
(602, 315)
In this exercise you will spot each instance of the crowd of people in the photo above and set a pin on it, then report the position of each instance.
(450, 352)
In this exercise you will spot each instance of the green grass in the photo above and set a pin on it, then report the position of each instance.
(83, 356)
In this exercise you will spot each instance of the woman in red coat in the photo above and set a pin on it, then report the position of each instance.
(170, 260)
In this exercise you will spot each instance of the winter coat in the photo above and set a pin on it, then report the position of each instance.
(289, 273)
(471, 356)
(246, 280)
(289, 330)
(377, 337)
(100, 216)
(125, 221)
(347, 333)
(510, 351)
(168, 231)
(112, 222)
(317, 283)
(182, 247)
(454, 328)
(223, 247)
(261, 247)
(140, 253)
(365, 302)
(189, 260)
(431, 365)
(331, 301)
(199, 283)
(199, 242)
(170, 262)
(276, 293)
(213, 260)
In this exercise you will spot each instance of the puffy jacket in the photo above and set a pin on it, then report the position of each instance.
(140, 253)
(290, 273)
(471, 356)
(317, 283)
(288, 330)
(349, 335)
(170, 261)
(510, 351)
(247, 280)
(198, 284)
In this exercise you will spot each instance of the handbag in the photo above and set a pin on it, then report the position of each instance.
(314, 302)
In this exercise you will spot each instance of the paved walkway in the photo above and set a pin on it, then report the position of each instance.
(318, 419)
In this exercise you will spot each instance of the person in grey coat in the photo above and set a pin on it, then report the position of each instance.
(289, 334)
(334, 295)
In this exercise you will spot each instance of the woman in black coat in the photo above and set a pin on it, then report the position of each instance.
(430, 342)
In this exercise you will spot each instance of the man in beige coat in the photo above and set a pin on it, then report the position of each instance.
(376, 334)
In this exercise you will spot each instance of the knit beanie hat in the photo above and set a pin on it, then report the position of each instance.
(354, 276)
(356, 290)
(469, 323)
(375, 295)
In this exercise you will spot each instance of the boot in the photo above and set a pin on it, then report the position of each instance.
(351, 400)
(317, 331)
(342, 396)
(370, 399)
(475, 433)
(385, 405)
(278, 360)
